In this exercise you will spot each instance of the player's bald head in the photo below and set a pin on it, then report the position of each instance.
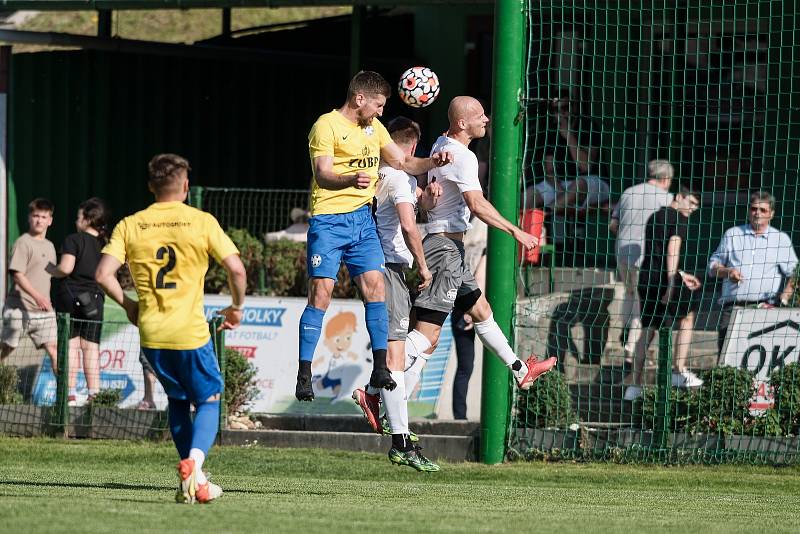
(462, 107)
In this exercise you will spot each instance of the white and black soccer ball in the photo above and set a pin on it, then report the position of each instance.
(418, 87)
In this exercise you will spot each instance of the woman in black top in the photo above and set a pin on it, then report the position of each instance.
(79, 295)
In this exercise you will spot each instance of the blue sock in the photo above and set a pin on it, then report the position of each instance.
(377, 319)
(206, 424)
(180, 424)
(310, 330)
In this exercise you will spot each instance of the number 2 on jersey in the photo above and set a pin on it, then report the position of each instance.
(170, 253)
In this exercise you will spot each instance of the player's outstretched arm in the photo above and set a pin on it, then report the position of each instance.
(237, 282)
(327, 179)
(106, 276)
(483, 210)
(394, 156)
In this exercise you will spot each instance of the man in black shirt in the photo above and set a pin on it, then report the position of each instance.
(665, 289)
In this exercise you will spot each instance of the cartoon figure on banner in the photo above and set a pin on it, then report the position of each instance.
(341, 367)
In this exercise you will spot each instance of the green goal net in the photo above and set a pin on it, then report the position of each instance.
(665, 301)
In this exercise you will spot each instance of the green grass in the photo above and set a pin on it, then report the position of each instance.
(94, 486)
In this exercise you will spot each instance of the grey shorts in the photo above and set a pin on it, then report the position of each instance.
(39, 326)
(398, 301)
(451, 276)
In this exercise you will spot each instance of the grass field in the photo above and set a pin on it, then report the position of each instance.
(95, 486)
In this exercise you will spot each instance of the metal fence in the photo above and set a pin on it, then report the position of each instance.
(35, 400)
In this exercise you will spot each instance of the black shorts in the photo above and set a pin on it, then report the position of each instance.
(79, 326)
(655, 314)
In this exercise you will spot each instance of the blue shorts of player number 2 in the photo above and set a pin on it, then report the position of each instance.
(351, 237)
(191, 375)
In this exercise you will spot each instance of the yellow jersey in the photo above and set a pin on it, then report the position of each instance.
(167, 247)
(353, 149)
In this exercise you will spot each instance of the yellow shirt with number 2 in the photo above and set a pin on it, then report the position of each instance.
(167, 247)
(353, 149)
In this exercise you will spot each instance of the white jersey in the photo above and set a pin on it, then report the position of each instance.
(451, 213)
(394, 187)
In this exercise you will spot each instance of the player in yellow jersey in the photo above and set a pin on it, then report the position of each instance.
(345, 147)
(167, 247)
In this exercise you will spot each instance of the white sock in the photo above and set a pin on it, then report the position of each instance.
(72, 392)
(413, 373)
(372, 390)
(416, 344)
(394, 402)
(94, 391)
(416, 358)
(492, 337)
(199, 457)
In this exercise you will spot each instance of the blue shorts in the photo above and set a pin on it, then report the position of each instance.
(351, 237)
(192, 375)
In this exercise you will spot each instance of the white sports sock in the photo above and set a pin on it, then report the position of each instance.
(372, 390)
(199, 457)
(416, 358)
(492, 337)
(416, 344)
(394, 402)
(413, 373)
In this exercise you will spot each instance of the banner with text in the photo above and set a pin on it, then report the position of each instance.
(762, 340)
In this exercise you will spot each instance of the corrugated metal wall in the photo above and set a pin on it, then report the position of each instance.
(85, 123)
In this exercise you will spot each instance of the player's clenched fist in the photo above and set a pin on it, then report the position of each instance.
(433, 190)
(440, 159)
(361, 180)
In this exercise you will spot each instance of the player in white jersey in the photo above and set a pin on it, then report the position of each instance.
(453, 285)
(396, 199)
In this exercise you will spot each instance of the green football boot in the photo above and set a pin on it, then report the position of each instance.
(412, 458)
(388, 432)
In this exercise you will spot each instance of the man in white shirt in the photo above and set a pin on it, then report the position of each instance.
(454, 287)
(396, 199)
(628, 222)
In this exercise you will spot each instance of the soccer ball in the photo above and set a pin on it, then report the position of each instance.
(418, 87)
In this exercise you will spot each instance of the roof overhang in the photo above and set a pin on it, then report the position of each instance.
(81, 5)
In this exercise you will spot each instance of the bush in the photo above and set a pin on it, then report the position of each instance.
(8, 385)
(107, 398)
(547, 404)
(785, 384)
(285, 265)
(240, 384)
(683, 409)
(251, 251)
(723, 402)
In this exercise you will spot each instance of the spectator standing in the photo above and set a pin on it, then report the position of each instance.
(756, 262)
(28, 309)
(628, 223)
(475, 240)
(661, 289)
(78, 294)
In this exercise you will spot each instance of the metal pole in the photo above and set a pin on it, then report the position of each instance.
(196, 196)
(663, 389)
(226, 22)
(104, 23)
(509, 50)
(60, 417)
(356, 20)
(218, 340)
